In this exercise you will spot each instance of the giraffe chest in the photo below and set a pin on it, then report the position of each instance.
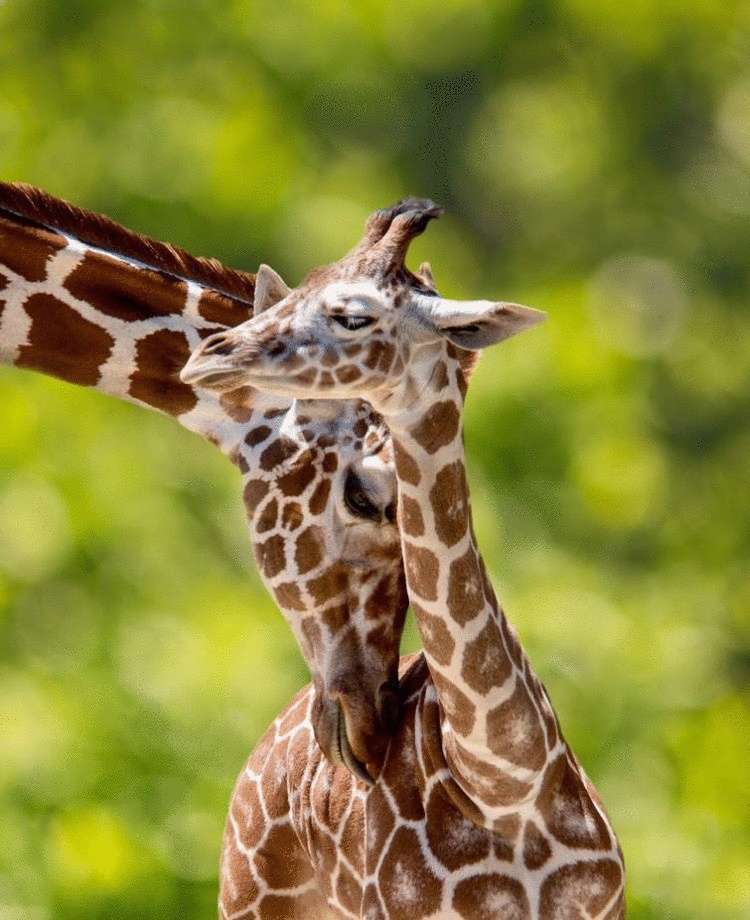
(402, 850)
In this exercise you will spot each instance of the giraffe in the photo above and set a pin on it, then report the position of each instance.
(481, 808)
(85, 300)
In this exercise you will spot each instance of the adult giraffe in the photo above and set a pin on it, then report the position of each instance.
(481, 809)
(84, 299)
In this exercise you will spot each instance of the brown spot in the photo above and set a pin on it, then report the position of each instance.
(514, 730)
(274, 413)
(380, 356)
(333, 581)
(273, 781)
(489, 782)
(360, 428)
(536, 848)
(247, 811)
(548, 714)
(511, 642)
(238, 885)
(437, 640)
(254, 492)
(439, 426)
(348, 373)
(488, 897)
(440, 377)
(278, 452)
(354, 349)
(25, 249)
(63, 343)
(257, 435)
(330, 463)
(400, 763)
(299, 479)
(353, 836)
(293, 715)
(330, 357)
(238, 404)
(450, 503)
(329, 799)
(325, 380)
(159, 359)
(411, 517)
(465, 590)
(406, 466)
(453, 839)
(291, 516)
(404, 860)
(267, 518)
(319, 497)
(421, 570)
(270, 556)
(485, 662)
(380, 823)
(226, 311)
(292, 361)
(567, 809)
(336, 617)
(309, 549)
(288, 596)
(382, 600)
(307, 377)
(457, 706)
(118, 289)
(580, 889)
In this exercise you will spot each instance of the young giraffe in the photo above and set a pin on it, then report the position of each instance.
(481, 809)
(83, 299)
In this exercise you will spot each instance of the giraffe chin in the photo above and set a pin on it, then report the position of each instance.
(345, 750)
(329, 726)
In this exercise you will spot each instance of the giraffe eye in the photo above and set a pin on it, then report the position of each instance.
(353, 323)
(357, 500)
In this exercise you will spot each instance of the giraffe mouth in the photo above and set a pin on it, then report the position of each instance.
(343, 750)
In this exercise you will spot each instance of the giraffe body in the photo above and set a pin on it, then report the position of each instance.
(304, 839)
(369, 327)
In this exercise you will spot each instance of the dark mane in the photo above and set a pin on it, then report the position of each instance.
(38, 206)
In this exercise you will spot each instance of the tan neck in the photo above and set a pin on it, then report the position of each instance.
(498, 727)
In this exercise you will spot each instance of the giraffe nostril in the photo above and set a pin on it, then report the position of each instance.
(217, 344)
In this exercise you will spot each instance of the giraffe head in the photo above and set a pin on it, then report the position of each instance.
(365, 326)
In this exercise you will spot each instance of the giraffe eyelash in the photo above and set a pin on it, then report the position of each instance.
(353, 323)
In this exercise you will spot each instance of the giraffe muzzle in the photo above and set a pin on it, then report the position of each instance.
(218, 363)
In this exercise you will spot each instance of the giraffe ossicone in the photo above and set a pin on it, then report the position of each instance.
(481, 809)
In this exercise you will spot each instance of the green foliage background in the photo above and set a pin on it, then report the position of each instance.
(594, 158)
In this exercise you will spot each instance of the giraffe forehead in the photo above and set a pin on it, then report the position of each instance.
(361, 292)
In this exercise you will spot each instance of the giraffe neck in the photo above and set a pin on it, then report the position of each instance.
(497, 725)
(105, 319)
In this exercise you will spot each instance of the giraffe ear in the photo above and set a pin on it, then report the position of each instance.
(424, 273)
(476, 324)
(270, 288)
